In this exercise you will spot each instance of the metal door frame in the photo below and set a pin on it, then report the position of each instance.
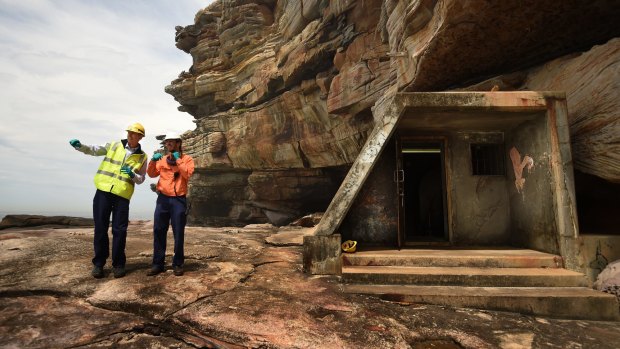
(399, 179)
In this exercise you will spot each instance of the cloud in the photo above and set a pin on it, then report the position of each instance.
(86, 70)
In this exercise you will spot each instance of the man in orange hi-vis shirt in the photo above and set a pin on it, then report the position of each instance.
(174, 171)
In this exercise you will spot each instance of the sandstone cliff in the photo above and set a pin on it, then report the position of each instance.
(281, 90)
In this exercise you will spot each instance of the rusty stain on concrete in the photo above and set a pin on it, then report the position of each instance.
(518, 165)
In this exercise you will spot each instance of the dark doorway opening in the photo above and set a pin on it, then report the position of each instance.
(598, 207)
(425, 218)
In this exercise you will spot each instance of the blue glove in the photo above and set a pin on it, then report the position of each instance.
(75, 143)
(156, 157)
(176, 155)
(128, 171)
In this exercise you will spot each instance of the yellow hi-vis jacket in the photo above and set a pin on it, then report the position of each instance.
(109, 177)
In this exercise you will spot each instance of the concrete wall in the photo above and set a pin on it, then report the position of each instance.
(532, 205)
(372, 219)
(485, 210)
(480, 205)
(596, 251)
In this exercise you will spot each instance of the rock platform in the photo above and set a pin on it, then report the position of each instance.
(243, 287)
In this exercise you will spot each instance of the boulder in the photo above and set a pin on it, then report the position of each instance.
(609, 279)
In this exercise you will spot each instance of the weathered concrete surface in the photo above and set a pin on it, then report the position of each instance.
(562, 302)
(464, 276)
(293, 237)
(388, 112)
(478, 257)
(321, 254)
(238, 291)
(596, 252)
(517, 280)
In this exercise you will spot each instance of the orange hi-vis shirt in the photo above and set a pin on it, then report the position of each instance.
(168, 184)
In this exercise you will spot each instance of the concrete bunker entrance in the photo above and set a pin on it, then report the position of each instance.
(456, 176)
(460, 177)
(526, 200)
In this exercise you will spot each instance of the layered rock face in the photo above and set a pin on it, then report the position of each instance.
(281, 90)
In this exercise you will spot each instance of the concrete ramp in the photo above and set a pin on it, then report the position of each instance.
(516, 280)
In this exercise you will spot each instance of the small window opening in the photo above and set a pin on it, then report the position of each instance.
(487, 160)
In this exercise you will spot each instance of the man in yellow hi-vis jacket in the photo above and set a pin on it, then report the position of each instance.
(124, 166)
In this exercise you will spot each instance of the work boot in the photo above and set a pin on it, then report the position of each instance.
(155, 270)
(97, 272)
(177, 270)
(119, 272)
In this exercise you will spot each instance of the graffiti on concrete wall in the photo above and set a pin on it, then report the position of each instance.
(518, 165)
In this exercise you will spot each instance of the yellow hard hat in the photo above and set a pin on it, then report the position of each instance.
(349, 246)
(137, 128)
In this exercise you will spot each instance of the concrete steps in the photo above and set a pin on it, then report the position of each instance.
(500, 258)
(464, 276)
(516, 280)
(559, 302)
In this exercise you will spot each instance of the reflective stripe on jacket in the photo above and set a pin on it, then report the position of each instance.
(109, 177)
(170, 184)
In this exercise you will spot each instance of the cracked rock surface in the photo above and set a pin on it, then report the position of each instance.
(243, 287)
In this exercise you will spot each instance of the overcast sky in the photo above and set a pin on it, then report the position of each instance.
(83, 69)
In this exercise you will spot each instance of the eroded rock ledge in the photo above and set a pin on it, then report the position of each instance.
(26, 220)
(283, 89)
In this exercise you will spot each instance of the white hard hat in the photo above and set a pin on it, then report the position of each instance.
(172, 135)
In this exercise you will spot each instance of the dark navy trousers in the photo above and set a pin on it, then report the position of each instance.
(104, 205)
(169, 210)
